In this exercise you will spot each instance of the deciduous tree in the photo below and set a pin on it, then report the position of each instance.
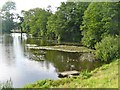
(100, 20)
(8, 16)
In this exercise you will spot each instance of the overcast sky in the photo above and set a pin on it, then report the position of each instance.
(28, 4)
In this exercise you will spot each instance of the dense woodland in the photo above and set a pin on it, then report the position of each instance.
(94, 25)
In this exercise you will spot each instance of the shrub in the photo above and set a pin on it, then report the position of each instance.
(108, 48)
(85, 74)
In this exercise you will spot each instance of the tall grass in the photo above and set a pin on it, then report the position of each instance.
(6, 84)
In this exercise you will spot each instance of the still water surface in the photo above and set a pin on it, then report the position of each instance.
(14, 64)
(25, 66)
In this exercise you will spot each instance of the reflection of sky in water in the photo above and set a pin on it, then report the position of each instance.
(14, 65)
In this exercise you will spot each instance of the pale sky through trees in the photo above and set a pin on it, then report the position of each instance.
(28, 4)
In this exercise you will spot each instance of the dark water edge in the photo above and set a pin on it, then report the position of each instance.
(25, 66)
(66, 61)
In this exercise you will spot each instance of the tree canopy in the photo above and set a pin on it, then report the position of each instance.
(35, 21)
(66, 21)
(8, 16)
(100, 20)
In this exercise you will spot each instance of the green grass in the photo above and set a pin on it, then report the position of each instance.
(105, 76)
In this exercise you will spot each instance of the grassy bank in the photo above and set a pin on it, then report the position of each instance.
(105, 76)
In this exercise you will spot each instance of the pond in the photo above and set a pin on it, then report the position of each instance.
(24, 66)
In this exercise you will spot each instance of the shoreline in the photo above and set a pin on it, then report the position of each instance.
(98, 78)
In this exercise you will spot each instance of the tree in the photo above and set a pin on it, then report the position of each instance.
(99, 20)
(8, 16)
(52, 27)
(64, 24)
(8, 6)
(35, 21)
(25, 24)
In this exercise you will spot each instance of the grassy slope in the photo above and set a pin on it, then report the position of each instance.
(105, 76)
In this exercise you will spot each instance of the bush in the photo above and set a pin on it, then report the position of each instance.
(108, 48)
(85, 74)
